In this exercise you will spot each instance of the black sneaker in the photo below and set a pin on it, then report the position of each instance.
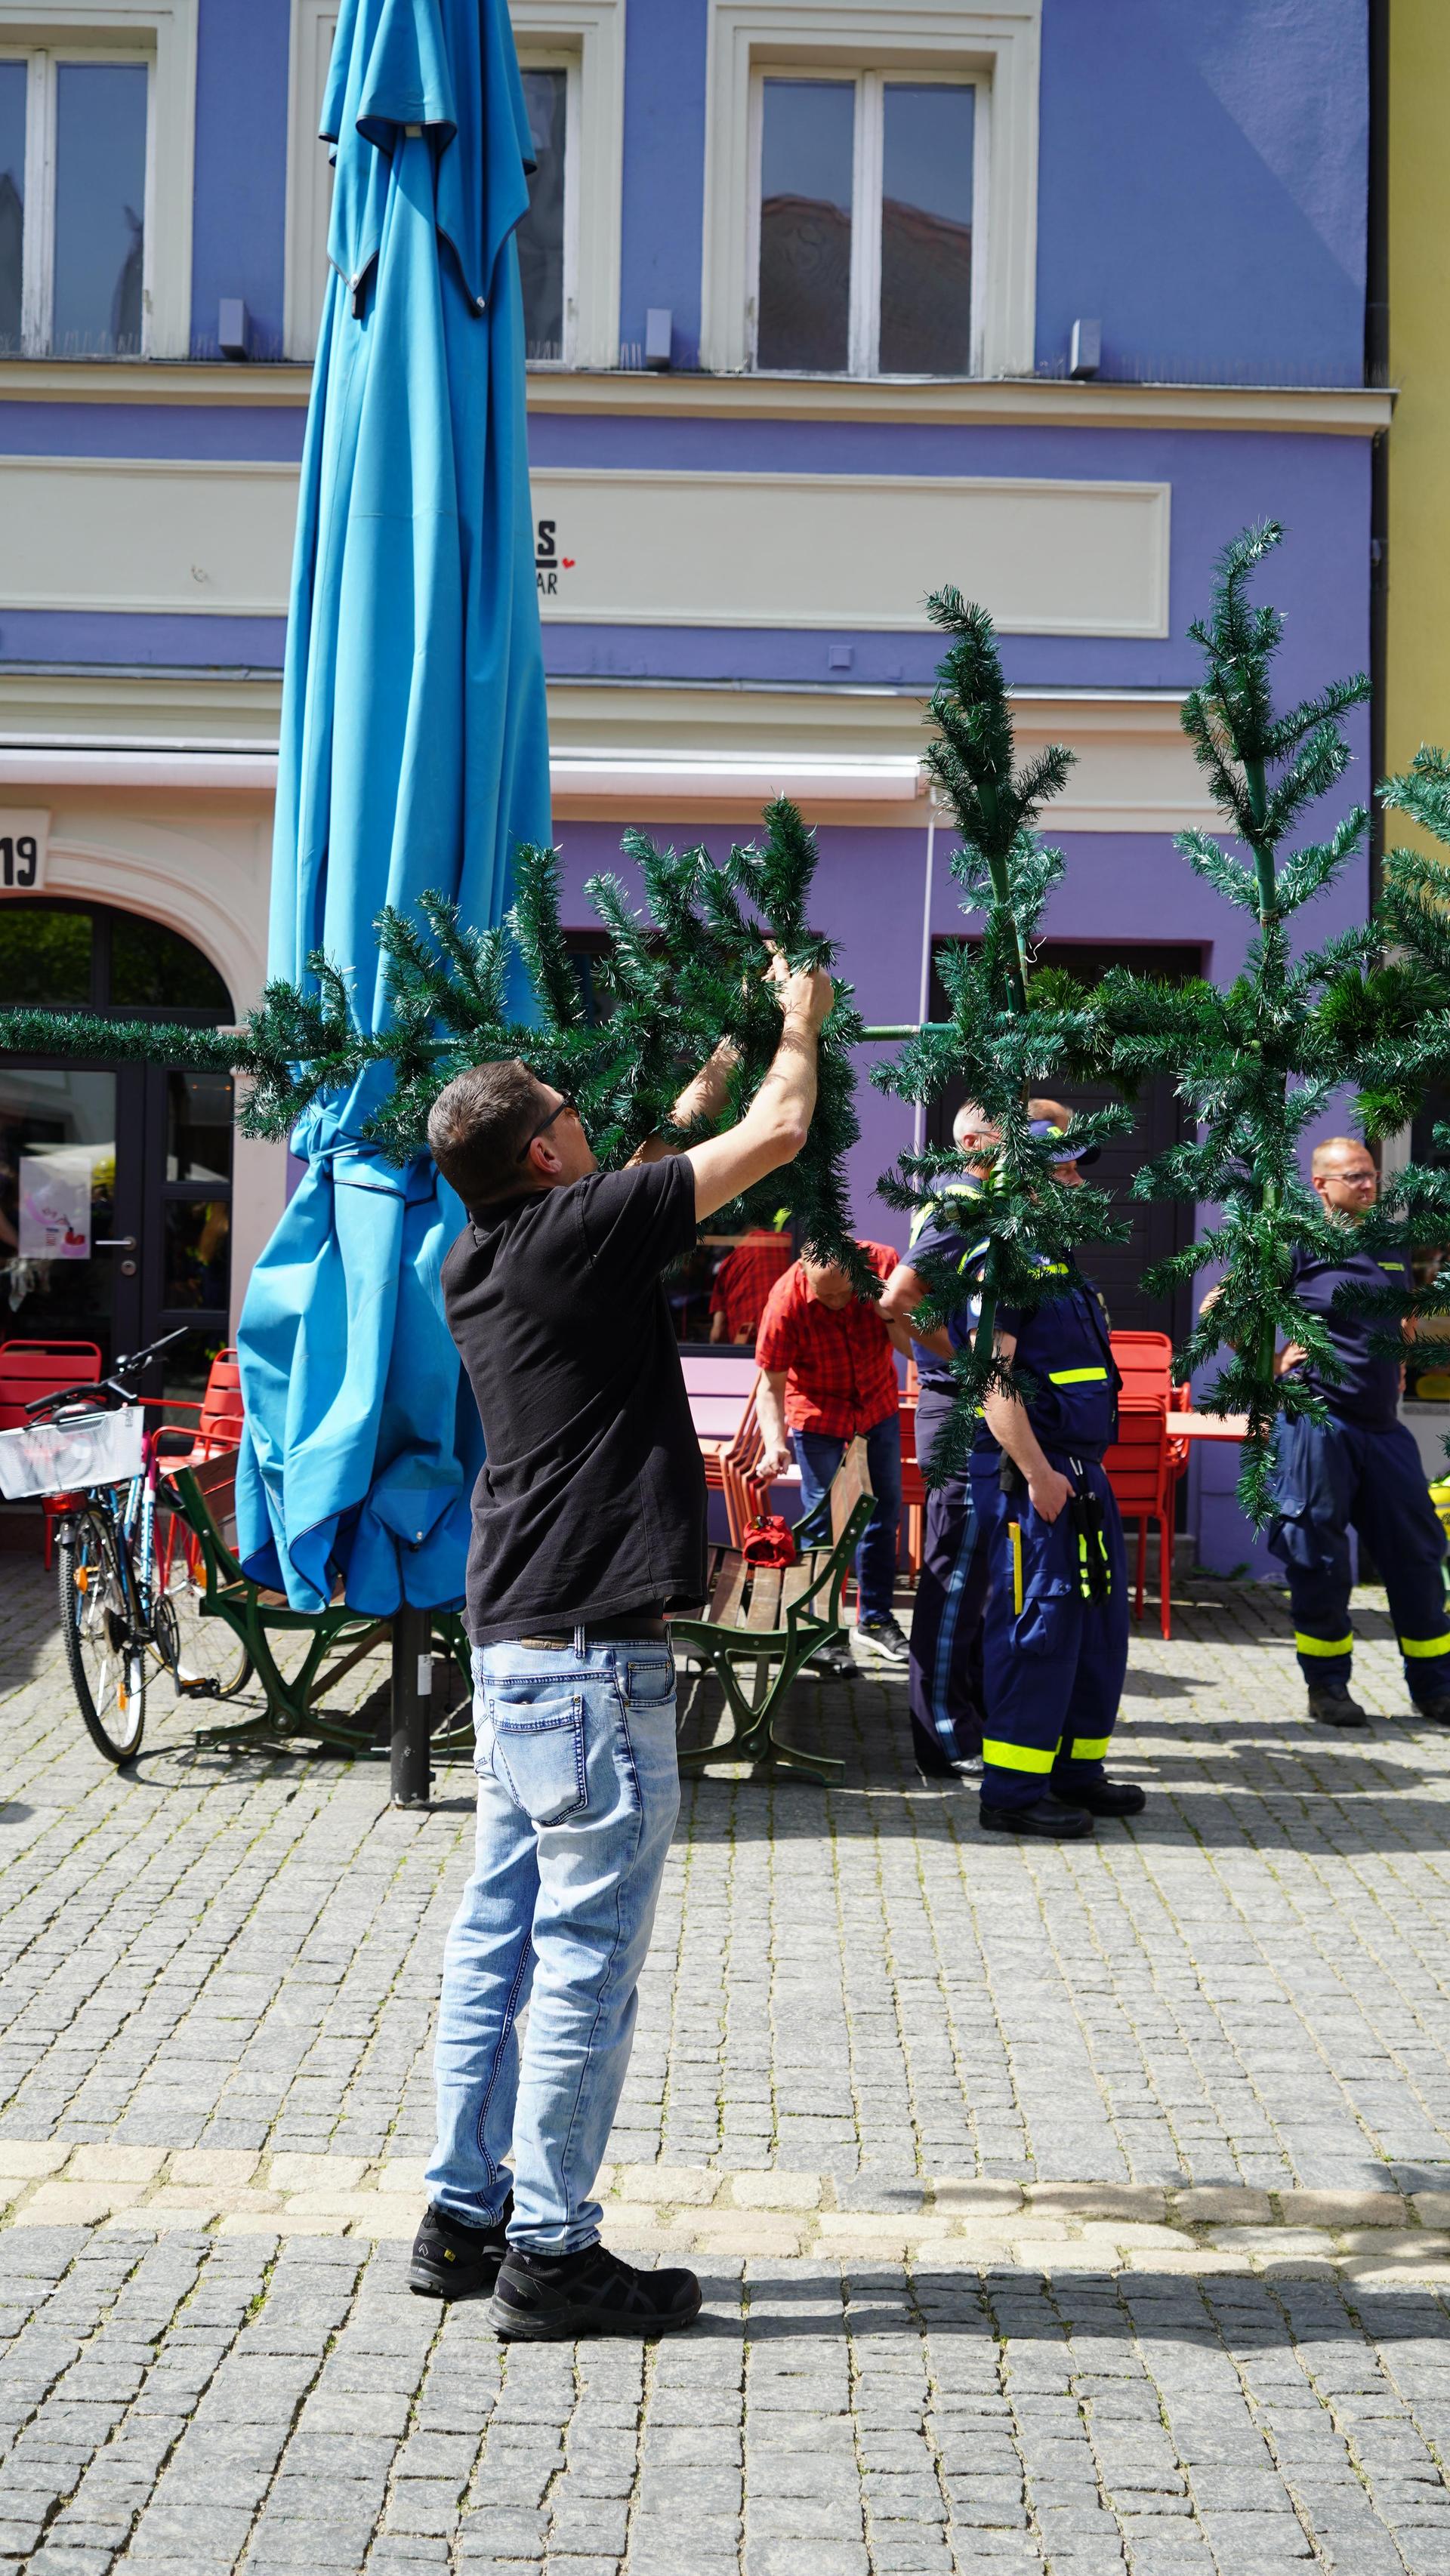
(452, 2260)
(1107, 1797)
(551, 2298)
(1047, 1816)
(1436, 1711)
(833, 1663)
(1331, 1705)
(885, 1638)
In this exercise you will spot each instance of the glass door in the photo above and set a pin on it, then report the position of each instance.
(70, 1188)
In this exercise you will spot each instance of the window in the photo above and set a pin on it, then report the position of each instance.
(74, 177)
(571, 55)
(546, 237)
(871, 187)
(865, 224)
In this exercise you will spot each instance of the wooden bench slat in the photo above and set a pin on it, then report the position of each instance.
(850, 1483)
(764, 1611)
(728, 1590)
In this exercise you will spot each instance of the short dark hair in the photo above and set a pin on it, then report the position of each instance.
(480, 1126)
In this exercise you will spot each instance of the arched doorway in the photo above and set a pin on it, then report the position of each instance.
(115, 1179)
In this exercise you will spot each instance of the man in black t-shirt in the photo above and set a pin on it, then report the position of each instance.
(588, 1525)
(1358, 1470)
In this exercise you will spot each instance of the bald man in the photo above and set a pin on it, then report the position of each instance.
(1359, 1470)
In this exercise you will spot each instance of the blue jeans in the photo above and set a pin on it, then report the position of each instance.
(818, 1458)
(578, 1791)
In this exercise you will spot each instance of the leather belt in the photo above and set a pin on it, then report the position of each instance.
(598, 1632)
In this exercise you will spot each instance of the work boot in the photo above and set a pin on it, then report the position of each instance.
(452, 2260)
(551, 2298)
(1103, 1797)
(1047, 1817)
(1436, 1711)
(1330, 1705)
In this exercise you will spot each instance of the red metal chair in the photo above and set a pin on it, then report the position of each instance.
(719, 1387)
(29, 1370)
(218, 1417)
(1145, 1462)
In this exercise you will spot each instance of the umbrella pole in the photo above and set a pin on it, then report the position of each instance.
(412, 1706)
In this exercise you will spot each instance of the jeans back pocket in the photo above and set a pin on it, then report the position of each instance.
(649, 1680)
(538, 1748)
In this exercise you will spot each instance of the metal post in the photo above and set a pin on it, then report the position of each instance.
(412, 1706)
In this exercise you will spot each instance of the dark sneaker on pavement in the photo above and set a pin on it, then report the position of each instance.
(1109, 1797)
(1435, 1712)
(833, 1663)
(884, 1638)
(1331, 1705)
(454, 2261)
(551, 2298)
(1046, 1816)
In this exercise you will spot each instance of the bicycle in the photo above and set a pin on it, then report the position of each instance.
(129, 1594)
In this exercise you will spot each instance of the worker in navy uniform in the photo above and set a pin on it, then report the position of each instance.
(1359, 1470)
(1055, 1639)
(946, 1618)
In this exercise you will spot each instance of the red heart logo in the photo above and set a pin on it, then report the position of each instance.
(567, 562)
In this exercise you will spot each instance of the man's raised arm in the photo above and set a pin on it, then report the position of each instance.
(776, 1124)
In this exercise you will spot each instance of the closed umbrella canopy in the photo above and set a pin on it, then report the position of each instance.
(414, 755)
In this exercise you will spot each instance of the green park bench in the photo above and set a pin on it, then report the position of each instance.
(774, 1618)
(204, 1497)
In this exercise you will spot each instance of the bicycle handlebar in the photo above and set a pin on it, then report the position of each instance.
(128, 1366)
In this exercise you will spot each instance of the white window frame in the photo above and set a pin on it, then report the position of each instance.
(864, 354)
(586, 34)
(555, 58)
(162, 34)
(995, 48)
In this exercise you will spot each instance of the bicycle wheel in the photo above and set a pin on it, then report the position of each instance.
(107, 1660)
(211, 1661)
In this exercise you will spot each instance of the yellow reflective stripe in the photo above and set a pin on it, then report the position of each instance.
(1075, 1377)
(1425, 1645)
(1326, 1645)
(1015, 1530)
(1088, 1748)
(1018, 1757)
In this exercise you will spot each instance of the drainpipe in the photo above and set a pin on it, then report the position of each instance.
(1377, 372)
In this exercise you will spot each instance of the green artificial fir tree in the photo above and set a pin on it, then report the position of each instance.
(1010, 1032)
(673, 982)
(1256, 1064)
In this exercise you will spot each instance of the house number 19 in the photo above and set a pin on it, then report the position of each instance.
(19, 861)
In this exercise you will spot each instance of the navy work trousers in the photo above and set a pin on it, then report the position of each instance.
(946, 1618)
(1336, 1476)
(1053, 1661)
(818, 1455)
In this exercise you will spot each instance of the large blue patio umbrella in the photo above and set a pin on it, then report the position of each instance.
(414, 754)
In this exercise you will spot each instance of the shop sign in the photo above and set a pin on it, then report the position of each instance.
(24, 843)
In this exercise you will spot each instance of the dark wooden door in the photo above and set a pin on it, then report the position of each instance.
(1159, 1227)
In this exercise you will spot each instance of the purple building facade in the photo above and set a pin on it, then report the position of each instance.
(807, 282)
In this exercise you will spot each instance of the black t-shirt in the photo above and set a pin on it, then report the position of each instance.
(1369, 1390)
(591, 1498)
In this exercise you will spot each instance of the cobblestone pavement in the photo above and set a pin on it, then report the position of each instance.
(1059, 2210)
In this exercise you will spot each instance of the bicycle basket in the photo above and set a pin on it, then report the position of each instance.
(66, 1457)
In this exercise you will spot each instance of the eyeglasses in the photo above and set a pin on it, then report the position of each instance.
(543, 1129)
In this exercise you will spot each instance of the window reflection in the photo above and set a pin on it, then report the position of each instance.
(926, 229)
(541, 234)
(806, 185)
(45, 957)
(198, 1127)
(100, 198)
(14, 82)
(155, 970)
(197, 1253)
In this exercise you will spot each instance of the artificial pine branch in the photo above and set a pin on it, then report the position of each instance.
(1001, 1042)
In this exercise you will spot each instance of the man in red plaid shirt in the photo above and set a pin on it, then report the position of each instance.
(828, 1376)
(743, 1281)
